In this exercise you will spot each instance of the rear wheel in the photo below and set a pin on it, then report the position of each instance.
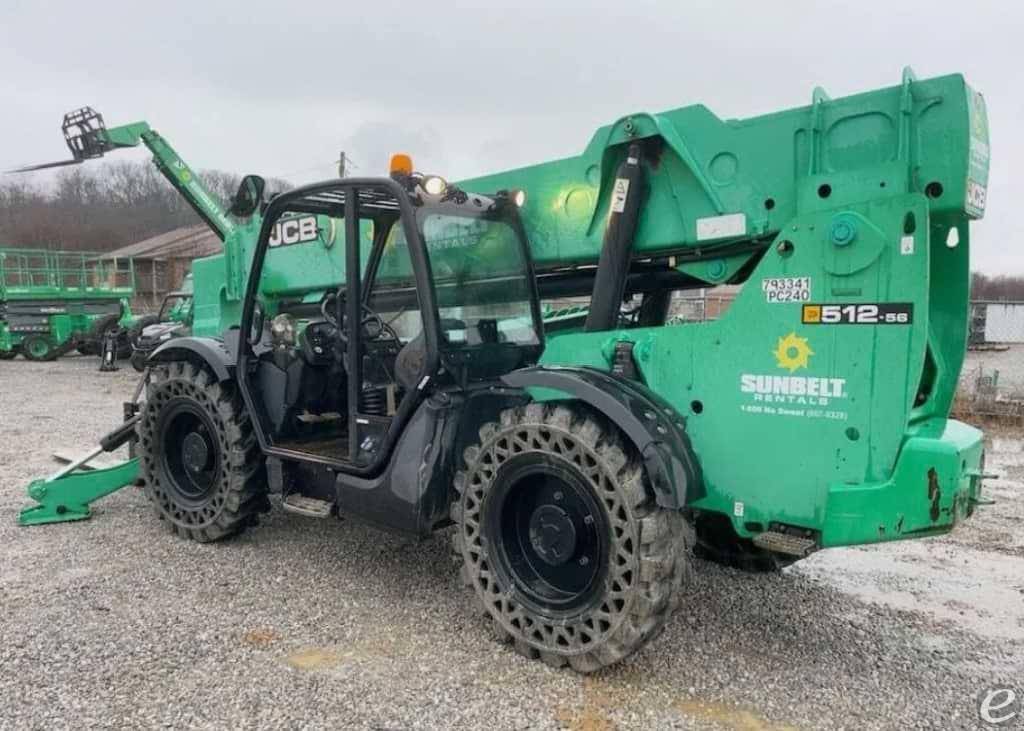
(9, 354)
(717, 542)
(138, 360)
(38, 347)
(108, 323)
(561, 540)
(199, 459)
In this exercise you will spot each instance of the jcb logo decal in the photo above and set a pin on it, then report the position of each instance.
(294, 231)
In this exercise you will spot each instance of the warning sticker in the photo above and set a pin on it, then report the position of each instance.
(976, 196)
(786, 289)
(721, 227)
(619, 195)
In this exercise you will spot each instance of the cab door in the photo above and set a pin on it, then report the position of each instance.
(375, 309)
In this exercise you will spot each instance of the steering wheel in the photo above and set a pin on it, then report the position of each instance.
(373, 325)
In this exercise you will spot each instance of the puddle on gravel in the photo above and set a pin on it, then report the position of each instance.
(313, 658)
(727, 716)
(601, 697)
(372, 653)
(260, 637)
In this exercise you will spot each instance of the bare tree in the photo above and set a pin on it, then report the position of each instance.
(1001, 287)
(101, 208)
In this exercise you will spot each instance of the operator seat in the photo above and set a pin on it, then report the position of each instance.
(409, 362)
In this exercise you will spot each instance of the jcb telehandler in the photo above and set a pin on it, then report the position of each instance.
(392, 366)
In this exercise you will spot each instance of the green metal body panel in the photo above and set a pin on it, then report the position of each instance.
(835, 428)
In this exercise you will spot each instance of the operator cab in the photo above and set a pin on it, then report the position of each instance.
(368, 295)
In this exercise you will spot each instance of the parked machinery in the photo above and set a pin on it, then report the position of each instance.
(53, 302)
(391, 363)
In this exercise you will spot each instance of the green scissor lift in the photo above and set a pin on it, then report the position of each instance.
(52, 302)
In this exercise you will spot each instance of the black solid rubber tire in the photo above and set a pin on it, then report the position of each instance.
(9, 354)
(138, 361)
(93, 343)
(649, 546)
(26, 348)
(241, 492)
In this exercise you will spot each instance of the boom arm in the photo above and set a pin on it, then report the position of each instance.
(88, 137)
(717, 192)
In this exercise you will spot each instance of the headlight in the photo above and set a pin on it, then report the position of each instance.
(282, 330)
(434, 185)
(519, 198)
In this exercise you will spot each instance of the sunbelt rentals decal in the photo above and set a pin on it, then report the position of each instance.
(792, 391)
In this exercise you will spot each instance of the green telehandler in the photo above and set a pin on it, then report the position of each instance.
(393, 366)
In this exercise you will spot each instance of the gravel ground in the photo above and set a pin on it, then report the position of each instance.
(114, 622)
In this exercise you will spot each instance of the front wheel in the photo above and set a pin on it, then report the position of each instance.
(38, 347)
(199, 459)
(562, 542)
(9, 354)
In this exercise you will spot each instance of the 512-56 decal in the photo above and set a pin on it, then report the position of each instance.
(871, 313)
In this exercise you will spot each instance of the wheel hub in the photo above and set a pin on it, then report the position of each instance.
(552, 534)
(190, 451)
(195, 453)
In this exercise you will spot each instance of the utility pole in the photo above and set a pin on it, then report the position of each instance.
(341, 164)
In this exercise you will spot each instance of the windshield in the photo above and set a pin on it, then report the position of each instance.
(481, 279)
(176, 308)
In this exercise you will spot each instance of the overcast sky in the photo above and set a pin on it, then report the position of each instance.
(279, 88)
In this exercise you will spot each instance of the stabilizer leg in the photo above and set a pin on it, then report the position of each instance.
(67, 498)
(66, 495)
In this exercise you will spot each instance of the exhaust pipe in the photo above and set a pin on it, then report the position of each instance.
(613, 266)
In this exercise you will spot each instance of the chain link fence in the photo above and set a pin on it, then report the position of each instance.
(992, 385)
(996, 325)
(992, 379)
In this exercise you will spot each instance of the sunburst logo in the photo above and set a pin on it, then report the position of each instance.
(793, 352)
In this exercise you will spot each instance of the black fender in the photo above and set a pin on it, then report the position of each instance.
(652, 425)
(217, 354)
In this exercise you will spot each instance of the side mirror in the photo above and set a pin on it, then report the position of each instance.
(249, 196)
